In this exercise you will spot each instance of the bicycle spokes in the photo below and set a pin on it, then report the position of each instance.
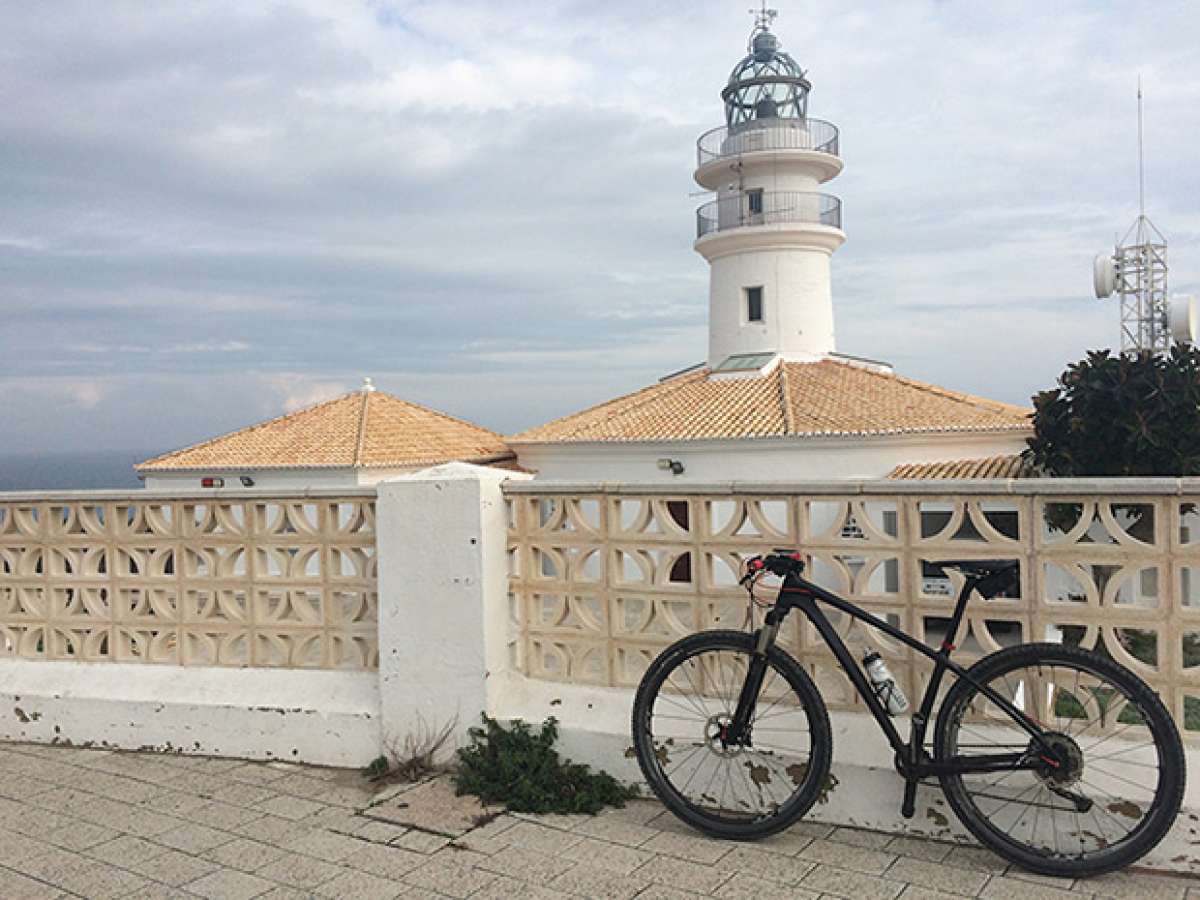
(1094, 787)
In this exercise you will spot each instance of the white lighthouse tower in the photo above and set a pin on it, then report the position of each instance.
(769, 234)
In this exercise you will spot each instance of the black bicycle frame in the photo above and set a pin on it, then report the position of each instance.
(799, 593)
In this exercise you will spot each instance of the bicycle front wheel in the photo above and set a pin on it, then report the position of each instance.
(745, 789)
(1119, 786)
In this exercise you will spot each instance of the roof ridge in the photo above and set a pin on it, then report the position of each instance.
(245, 429)
(651, 392)
(789, 417)
(437, 412)
(935, 389)
(362, 427)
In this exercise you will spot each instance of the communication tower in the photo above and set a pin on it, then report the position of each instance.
(1137, 272)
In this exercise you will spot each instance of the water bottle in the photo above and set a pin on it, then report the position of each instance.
(886, 689)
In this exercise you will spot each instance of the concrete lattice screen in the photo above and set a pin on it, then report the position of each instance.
(603, 577)
(251, 581)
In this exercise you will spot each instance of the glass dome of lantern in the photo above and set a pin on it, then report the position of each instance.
(767, 83)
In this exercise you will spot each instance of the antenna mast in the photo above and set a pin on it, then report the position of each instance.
(1137, 270)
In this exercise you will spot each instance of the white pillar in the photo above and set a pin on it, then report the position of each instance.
(443, 597)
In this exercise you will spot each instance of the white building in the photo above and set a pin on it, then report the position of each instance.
(357, 439)
(774, 399)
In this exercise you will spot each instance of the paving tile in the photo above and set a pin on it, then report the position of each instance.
(603, 855)
(294, 808)
(598, 883)
(229, 885)
(21, 887)
(355, 885)
(617, 831)
(539, 837)
(422, 841)
(684, 874)
(949, 879)
(919, 848)
(744, 886)
(912, 892)
(16, 848)
(664, 892)
(1004, 887)
(142, 822)
(687, 846)
(174, 868)
(637, 811)
(978, 858)
(528, 865)
(874, 840)
(125, 850)
(384, 861)
(271, 830)
(846, 856)
(226, 816)
(1044, 880)
(325, 845)
(298, 871)
(433, 806)
(100, 881)
(194, 838)
(828, 879)
(80, 836)
(450, 878)
(1137, 886)
(379, 832)
(765, 864)
(505, 888)
(244, 854)
(240, 794)
(254, 773)
(175, 803)
(337, 818)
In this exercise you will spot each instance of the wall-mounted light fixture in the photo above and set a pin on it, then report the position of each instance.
(674, 466)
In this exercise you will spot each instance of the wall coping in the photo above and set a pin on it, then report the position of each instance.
(141, 494)
(881, 487)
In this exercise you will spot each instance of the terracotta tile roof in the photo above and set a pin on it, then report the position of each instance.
(793, 399)
(364, 429)
(990, 467)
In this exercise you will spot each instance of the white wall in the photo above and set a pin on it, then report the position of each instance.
(775, 459)
(276, 479)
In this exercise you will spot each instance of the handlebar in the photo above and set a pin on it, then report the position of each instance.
(781, 563)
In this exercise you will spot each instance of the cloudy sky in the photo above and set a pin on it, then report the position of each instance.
(214, 212)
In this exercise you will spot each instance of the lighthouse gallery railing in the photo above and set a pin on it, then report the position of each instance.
(768, 208)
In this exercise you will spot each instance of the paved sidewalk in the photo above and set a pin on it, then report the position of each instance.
(99, 824)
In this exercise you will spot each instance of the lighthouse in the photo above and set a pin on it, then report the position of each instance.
(771, 230)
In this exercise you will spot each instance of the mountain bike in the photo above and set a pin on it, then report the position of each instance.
(1054, 756)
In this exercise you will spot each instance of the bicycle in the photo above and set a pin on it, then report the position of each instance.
(1054, 797)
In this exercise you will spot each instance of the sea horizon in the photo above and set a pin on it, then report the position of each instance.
(67, 470)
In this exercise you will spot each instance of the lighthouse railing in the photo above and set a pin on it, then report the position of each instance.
(768, 208)
(767, 135)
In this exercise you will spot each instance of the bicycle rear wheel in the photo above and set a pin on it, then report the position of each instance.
(1122, 761)
(741, 790)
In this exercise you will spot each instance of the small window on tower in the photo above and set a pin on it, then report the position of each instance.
(755, 200)
(754, 304)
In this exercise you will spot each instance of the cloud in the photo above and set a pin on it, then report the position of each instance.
(218, 212)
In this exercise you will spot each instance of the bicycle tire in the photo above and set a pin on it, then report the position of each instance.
(807, 777)
(1063, 712)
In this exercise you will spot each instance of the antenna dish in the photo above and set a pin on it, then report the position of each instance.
(1184, 318)
(1104, 275)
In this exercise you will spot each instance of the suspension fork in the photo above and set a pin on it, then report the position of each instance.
(740, 726)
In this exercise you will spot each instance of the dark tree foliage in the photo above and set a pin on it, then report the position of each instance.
(1114, 415)
(519, 768)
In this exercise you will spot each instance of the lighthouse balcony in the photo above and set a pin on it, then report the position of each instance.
(767, 135)
(752, 208)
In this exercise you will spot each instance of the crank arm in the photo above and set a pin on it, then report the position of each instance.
(1082, 804)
